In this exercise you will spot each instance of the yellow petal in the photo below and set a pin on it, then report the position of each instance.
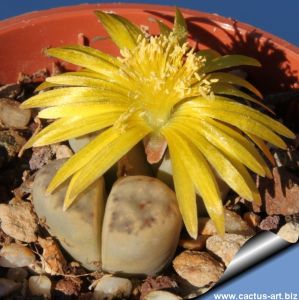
(180, 27)
(227, 89)
(67, 128)
(237, 146)
(222, 164)
(123, 33)
(105, 157)
(201, 175)
(235, 80)
(208, 54)
(164, 29)
(260, 143)
(81, 110)
(228, 61)
(184, 189)
(86, 57)
(73, 95)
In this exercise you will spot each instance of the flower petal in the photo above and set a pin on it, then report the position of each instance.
(67, 128)
(106, 156)
(229, 61)
(201, 175)
(73, 95)
(123, 33)
(86, 57)
(223, 165)
(184, 189)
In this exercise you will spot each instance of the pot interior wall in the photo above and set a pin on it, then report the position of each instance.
(22, 40)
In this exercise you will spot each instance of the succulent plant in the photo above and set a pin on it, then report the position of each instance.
(161, 89)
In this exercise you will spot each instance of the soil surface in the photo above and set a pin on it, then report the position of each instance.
(60, 277)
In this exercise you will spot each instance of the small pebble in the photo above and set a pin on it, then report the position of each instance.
(109, 288)
(225, 247)
(12, 116)
(289, 232)
(198, 268)
(40, 286)
(17, 274)
(16, 255)
(252, 219)
(19, 221)
(233, 224)
(61, 151)
(269, 223)
(191, 244)
(7, 287)
(161, 295)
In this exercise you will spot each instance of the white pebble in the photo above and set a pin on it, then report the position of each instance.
(16, 255)
(40, 286)
(161, 295)
(109, 288)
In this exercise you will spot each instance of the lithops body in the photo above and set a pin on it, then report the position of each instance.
(141, 226)
(79, 228)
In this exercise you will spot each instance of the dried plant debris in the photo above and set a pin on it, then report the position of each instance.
(52, 259)
(280, 195)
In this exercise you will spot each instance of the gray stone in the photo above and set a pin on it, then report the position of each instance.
(141, 226)
(110, 287)
(16, 255)
(11, 115)
(79, 228)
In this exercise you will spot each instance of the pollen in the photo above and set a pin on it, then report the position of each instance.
(160, 73)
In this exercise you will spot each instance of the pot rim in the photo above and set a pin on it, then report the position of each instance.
(36, 17)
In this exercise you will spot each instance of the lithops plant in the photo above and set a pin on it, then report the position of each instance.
(141, 226)
(162, 89)
(130, 235)
(79, 228)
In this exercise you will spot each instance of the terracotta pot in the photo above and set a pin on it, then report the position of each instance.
(23, 38)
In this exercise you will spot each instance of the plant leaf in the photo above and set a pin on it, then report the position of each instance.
(123, 33)
(229, 61)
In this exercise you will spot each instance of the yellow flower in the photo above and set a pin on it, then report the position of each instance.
(162, 89)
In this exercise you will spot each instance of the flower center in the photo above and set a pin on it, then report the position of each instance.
(159, 72)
